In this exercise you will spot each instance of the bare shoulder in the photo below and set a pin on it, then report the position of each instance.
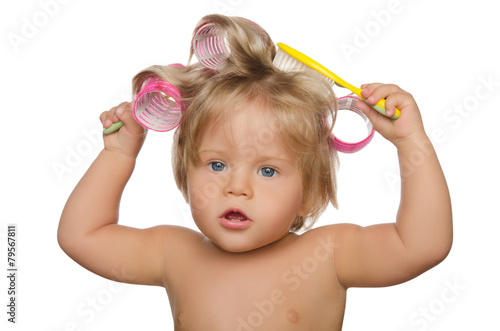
(323, 241)
(328, 233)
(177, 239)
(176, 230)
(176, 245)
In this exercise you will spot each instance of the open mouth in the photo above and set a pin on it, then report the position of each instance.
(235, 219)
(235, 216)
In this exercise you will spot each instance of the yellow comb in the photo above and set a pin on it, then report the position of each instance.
(304, 59)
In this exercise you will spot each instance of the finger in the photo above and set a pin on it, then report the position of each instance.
(124, 113)
(107, 117)
(367, 89)
(397, 100)
(102, 117)
(376, 92)
(371, 113)
(379, 121)
(382, 91)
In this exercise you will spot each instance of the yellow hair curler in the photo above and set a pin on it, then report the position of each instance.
(281, 60)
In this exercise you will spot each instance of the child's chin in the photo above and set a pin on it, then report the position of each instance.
(237, 247)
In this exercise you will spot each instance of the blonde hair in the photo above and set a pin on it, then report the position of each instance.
(298, 101)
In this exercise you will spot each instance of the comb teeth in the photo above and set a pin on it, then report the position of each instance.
(286, 62)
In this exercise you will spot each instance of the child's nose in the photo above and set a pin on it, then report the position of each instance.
(239, 184)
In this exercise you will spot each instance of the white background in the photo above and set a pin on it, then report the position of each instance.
(64, 62)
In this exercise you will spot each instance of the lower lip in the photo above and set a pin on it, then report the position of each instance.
(235, 225)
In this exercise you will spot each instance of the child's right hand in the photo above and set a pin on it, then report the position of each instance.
(129, 138)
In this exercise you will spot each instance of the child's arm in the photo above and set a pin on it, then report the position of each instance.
(88, 230)
(389, 254)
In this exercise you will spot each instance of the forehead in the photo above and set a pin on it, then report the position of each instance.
(249, 128)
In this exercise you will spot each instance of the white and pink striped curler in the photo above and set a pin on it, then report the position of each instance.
(158, 105)
(210, 45)
(349, 103)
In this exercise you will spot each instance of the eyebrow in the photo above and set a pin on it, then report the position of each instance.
(217, 151)
(257, 157)
(275, 158)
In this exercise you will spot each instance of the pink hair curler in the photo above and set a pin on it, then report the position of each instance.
(349, 103)
(158, 105)
(210, 45)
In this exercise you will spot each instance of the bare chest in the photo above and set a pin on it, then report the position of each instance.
(286, 293)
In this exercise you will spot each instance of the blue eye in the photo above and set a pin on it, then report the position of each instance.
(217, 166)
(267, 172)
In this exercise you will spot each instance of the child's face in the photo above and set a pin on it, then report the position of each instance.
(247, 189)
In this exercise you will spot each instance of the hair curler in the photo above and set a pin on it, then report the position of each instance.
(158, 105)
(349, 103)
(210, 45)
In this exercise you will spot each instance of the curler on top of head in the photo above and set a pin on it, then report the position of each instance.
(218, 39)
(210, 45)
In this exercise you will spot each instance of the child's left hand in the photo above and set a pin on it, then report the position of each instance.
(408, 125)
